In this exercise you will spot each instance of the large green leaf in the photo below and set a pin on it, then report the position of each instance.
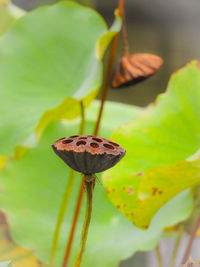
(32, 189)
(49, 61)
(158, 143)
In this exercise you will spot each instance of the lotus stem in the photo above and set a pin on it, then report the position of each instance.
(89, 190)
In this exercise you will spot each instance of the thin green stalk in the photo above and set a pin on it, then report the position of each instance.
(89, 189)
(66, 197)
(159, 256)
(61, 214)
(82, 124)
(178, 240)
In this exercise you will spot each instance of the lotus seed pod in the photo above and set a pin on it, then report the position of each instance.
(135, 68)
(88, 154)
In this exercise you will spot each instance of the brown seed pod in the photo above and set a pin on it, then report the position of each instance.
(88, 154)
(135, 68)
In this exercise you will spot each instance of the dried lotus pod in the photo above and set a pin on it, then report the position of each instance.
(135, 68)
(88, 154)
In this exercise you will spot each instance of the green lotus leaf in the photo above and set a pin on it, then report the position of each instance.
(158, 142)
(32, 189)
(50, 60)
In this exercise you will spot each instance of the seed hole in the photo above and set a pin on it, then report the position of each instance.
(114, 144)
(108, 146)
(94, 145)
(82, 138)
(80, 143)
(90, 135)
(61, 138)
(97, 139)
(73, 136)
(67, 141)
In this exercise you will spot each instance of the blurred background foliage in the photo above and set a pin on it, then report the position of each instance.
(167, 28)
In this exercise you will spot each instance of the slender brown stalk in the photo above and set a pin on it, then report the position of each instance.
(158, 256)
(106, 83)
(89, 189)
(121, 7)
(125, 36)
(192, 237)
(61, 214)
(66, 197)
(74, 223)
(82, 124)
(176, 247)
(109, 70)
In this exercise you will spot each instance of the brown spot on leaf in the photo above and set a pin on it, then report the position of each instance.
(139, 174)
(130, 191)
(124, 188)
(154, 191)
(118, 206)
(107, 191)
(113, 190)
(124, 205)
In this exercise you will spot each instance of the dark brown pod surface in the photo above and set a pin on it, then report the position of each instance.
(135, 68)
(88, 154)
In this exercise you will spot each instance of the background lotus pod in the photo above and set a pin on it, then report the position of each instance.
(88, 154)
(135, 68)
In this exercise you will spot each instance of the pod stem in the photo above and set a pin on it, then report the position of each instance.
(109, 70)
(82, 124)
(73, 227)
(124, 34)
(89, 190)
